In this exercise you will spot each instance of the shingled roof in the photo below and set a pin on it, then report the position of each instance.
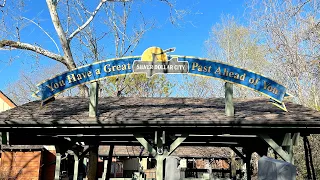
(120, 112)
(191, 152)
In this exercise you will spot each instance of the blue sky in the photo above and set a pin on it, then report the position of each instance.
(188, 38)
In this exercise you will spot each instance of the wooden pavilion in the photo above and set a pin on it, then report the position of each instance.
(160, 125)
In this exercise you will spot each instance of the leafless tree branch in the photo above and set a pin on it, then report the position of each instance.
(44, 32)
(87, 22)
(3, 4)
(37, 49)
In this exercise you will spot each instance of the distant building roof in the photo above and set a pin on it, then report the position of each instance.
(181, 151)
(21, 147)
(7, 100)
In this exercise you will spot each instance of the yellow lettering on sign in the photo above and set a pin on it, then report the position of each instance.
(107, 68)
(98, 72)
(79, 77)
(71, 78)
(218, 71)
(50, 87)
(61, 83)
(268, 87)
(194, 65)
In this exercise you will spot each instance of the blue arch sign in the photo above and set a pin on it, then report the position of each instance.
(159, 63)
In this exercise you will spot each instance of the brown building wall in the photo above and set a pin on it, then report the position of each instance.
(21, 165)
(48, 168)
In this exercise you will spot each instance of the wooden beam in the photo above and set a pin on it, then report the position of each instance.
(93, 104)
(145, 144)
(229, 108)
(287, 140)
(278, 149)
(82, 155)
(238, 152)
(177, 142)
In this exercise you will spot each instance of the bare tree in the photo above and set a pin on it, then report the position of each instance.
(291, 31)
(231, 43)
(65, 40)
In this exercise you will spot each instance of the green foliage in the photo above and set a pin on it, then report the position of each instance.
(138, 85)
(299, 157)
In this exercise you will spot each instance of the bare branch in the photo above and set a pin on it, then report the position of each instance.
(123, 34)
(44, 32)
(87, 22)
(3, 4)
(37, 49)
(300, 7)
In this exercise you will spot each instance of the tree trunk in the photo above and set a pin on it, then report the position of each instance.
(68, 59)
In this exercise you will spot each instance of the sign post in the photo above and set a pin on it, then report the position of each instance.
(229, 108)
(93, 103)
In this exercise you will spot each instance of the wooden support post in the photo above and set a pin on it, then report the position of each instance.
(295, 139)
(58, 162)
(105, 165)
(159, 173)
(233, 167)
(160, 140)
(93, 104)
(85, 164)
(283, 154)
(288, 146)
(160, 154)
(248, 164)
(93, 162)
(76, 166)
(229, 108)
(109, 162)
